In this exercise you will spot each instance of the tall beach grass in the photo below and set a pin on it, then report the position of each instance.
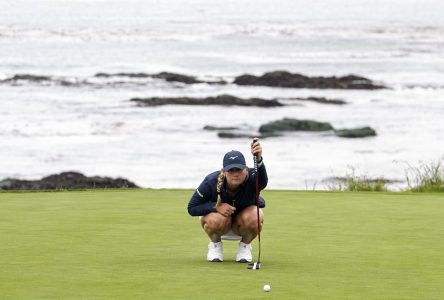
(427, 177)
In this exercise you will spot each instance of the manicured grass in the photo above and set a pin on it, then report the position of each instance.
(142, 244)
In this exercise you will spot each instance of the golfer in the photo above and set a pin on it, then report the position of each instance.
(226, 203)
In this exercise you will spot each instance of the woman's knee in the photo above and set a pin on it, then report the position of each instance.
(215, 222)
(247, 218)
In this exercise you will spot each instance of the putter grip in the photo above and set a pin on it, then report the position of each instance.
(254, 156)
(255, 163)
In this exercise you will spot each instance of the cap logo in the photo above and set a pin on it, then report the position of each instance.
(233, 157)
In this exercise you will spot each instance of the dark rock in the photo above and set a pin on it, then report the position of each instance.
(288, 124)
(167, 76)
(42, 80)
(171, 77)
(355, 132)
(177, 78)
(220, 82)
(66, 180)
(69, 83)
(27, 77)
(358, 83)
(321, 100)
(233, 135)
(215, 128)
(226, 100)
(294, 80)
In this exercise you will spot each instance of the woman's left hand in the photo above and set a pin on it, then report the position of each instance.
(256, 148)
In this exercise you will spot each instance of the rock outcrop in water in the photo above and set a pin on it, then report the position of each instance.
(66, 180)
(355, 132)
(27, 77)
(20, 79)
(220, 128)
(167, 76)
(278, 127)
(288, 124)
(321, 100)
(293, 80)
(234, 135)
(271, 79)
(226, 100)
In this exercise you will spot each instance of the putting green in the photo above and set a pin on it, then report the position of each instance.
(142, 244)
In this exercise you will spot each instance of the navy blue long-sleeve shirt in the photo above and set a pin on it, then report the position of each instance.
(204, 198)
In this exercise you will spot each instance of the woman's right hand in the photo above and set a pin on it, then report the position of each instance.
(225, 209)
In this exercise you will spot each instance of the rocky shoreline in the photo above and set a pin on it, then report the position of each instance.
(281, 79)
(230, 100)
(66, 181)
(226, 100)
(320, 100)
(167, 76)
(293, 80)
(279, 127)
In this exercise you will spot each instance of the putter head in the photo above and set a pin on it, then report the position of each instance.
(254, 266)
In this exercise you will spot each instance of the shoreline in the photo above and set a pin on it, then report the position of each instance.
(92, 183)
(191, 191)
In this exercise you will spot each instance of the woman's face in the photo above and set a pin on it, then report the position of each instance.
(235, 177)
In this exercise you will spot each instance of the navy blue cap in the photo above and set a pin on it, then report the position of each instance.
(234, 159)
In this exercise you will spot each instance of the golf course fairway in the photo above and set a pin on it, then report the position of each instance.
(142, 244)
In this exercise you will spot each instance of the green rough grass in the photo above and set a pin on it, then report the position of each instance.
(426, 178)
(141, 244)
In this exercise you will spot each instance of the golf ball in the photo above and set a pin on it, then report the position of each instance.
(267, 288)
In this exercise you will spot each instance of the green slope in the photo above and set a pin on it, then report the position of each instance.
(142, 244)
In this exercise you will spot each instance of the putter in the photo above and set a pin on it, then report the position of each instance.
(257, 265)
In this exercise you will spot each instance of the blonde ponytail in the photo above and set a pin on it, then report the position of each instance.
(220, 183)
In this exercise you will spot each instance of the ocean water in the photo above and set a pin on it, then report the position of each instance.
(77, 121)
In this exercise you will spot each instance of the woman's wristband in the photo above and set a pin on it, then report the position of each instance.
(259, 162)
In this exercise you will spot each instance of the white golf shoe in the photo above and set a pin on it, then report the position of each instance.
(244, 253)
(215, 252)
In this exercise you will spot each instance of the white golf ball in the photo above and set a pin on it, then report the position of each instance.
(267, 288)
